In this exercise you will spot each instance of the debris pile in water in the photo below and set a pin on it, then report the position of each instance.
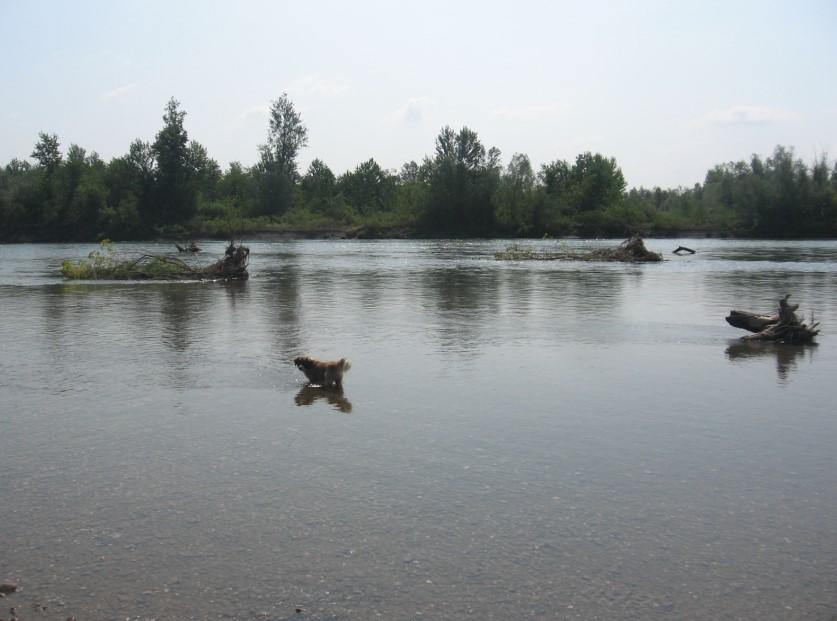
(784, 327)
(631, 250)
(106, 264)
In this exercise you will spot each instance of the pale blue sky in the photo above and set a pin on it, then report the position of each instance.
(667, 88)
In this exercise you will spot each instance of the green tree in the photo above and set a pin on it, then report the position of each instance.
(788, 176)
(236, 188)
(206, 171)
(130, 181)
(409, 172)
(462, 178)
(552, 212)
(596, 182)
(82, 192)
(823, 199)
(515, 197)
(43, 209)
(47, 151)
(368, 188)
(319, 181)
(554, 177)
(286, 134)
(175, 195)
(276, 173)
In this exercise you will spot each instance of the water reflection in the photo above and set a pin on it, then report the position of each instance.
(760, 291)
(236, 291)
(310, 394)
(774, 253)
(787, 354)
(282, 310)
(464, 301)
(596, 293)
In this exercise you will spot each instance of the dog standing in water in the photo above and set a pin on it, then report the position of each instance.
(323, 372)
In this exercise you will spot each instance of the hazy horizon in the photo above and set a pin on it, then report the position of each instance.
(668, 89)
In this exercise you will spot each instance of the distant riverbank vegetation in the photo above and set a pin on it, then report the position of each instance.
(172, 188)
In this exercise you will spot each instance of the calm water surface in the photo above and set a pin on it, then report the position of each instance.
(514, 441)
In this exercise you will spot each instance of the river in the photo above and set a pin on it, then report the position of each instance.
(515, 440)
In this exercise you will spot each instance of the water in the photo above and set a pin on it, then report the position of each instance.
(514, 441)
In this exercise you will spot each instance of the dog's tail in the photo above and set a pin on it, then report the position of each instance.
(347, 364)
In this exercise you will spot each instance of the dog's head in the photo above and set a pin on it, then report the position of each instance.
(303, 362)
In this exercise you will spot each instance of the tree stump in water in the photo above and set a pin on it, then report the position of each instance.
(785, 326)
(631, 250)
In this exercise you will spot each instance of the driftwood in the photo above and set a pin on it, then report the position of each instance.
(785, 326)
(105, 264)
(190, 247)
(683, 250)
(631, 250)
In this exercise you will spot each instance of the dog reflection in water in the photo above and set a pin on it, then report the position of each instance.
(310, 393)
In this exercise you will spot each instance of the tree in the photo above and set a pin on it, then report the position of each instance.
(554, 176)
(175, 192)
(141, 158)
(130, 180)
(409, 172)
(319, 191)
(18, 167)
(46, 151)
(514, 198)
(597, 182)
(286, 134)
(81, 194)
(462, 179)
(368, 188)
(205, 169)
(319, 181)
(463, 148)
(43, 201)
(236, 187)
(276, 172)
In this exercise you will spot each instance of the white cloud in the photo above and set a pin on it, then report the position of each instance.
(413, 112)
(748, 115)
(119, 91)
(315, 84)
(531, 111)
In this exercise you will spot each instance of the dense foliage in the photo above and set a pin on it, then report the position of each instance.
(172, 187)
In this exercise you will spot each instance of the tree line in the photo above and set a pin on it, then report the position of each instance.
(171, 187)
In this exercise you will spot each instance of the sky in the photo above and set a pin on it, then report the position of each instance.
(668, 88)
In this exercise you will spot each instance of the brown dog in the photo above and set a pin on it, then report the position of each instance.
(323, 372)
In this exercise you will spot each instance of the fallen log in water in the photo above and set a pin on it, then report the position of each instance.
(106, 264)
(785, 326)
(750, 321)
(682, 250)
(190, 247)
(631, 250)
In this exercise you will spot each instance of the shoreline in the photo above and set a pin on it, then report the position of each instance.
(392, 233)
